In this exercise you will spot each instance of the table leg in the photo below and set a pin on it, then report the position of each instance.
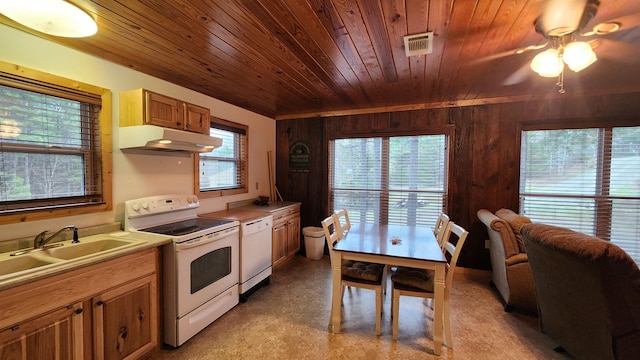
(438, 308)
(336, 296)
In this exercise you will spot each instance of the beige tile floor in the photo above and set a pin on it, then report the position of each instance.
(288, 320)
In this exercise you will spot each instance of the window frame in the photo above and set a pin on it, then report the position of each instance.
(15, 74)
(602, 229)
(218, 123)
(447, 131)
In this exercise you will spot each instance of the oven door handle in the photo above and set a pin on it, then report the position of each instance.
(219, 235)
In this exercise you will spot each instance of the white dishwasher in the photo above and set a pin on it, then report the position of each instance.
(255, 254)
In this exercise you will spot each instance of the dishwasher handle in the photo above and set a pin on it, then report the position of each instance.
(258, 225)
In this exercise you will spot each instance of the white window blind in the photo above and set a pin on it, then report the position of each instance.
(225, 167)
(586, 180)
(50, 152)
(390, 180)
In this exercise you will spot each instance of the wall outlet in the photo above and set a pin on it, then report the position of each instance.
(257, 185)
(487, 244)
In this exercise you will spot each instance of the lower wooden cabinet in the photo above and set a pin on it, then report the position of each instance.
(123, 324)
(107, 310)
(54, 335)
(285, 235)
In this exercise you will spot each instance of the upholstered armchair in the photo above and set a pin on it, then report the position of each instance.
(588, 293)
(511, 274)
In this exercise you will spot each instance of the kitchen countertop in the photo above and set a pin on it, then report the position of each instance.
(272, 207)
(146, 242)
(241, 214)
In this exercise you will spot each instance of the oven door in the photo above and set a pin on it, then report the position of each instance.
(206, 267)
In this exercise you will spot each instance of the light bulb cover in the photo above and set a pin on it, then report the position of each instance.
(547, 63)
(578, 55)
(53, 17)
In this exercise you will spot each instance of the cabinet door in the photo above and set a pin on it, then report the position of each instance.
(124, 322)
(163, 111)
(293, 235)
(279, 251)
(197, 119)
(55, 335)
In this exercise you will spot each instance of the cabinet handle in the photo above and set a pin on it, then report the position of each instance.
(79, 311)
(179, 123)
(99, 303)
(15, 328)
(188, 125)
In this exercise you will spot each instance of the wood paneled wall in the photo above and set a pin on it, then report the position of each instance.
(485, 168)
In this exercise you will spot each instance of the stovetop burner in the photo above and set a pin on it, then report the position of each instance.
(186, 226)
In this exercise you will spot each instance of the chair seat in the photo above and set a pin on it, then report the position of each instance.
(363, 271)
(413, 279)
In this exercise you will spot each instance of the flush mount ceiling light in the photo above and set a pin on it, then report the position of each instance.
(53, 17)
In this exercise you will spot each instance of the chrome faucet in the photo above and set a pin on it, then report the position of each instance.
(40, 239)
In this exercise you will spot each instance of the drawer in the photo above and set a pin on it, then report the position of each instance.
(281, 215)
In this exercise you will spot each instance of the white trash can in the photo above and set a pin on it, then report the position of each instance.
(313, 242)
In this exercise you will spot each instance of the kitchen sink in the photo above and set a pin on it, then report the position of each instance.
(30, 261)
(84, 248)
(19, 264)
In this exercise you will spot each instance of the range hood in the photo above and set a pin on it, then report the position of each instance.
(151, 137)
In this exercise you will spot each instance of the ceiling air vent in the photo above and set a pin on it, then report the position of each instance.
(418, 44)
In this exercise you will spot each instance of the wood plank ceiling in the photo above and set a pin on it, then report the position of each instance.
(303, 58)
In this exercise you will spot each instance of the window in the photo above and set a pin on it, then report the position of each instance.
(586, 180)
(389, 180)
(51, 154)
(224, 170)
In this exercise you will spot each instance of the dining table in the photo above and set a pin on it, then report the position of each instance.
(395, 245)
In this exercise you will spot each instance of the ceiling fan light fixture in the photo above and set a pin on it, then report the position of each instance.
(547, 63)
(578, 55)
(53, 17)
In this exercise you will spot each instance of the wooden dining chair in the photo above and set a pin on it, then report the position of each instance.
(343, 223)
(440, 230)
(354, 273)
(419, 282)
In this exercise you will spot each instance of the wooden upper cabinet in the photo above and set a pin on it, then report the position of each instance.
(197, 118)
(144, 107)
(163, 111)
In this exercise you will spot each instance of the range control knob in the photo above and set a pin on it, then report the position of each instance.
(135, 207)
(145, 206)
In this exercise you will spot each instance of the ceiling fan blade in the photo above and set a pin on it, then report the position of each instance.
(503, 54)
(616, 50)
(625, 22)
(518, 76)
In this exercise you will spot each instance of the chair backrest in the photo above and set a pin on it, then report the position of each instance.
(442, 229)
(453, 250)
(331, 234)
(443, 219)
(342, 221)
(577, 277)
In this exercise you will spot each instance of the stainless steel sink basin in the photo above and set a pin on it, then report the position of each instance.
(21, 263)
(84, 248)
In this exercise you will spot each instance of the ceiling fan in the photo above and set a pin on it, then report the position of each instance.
(562, 23)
